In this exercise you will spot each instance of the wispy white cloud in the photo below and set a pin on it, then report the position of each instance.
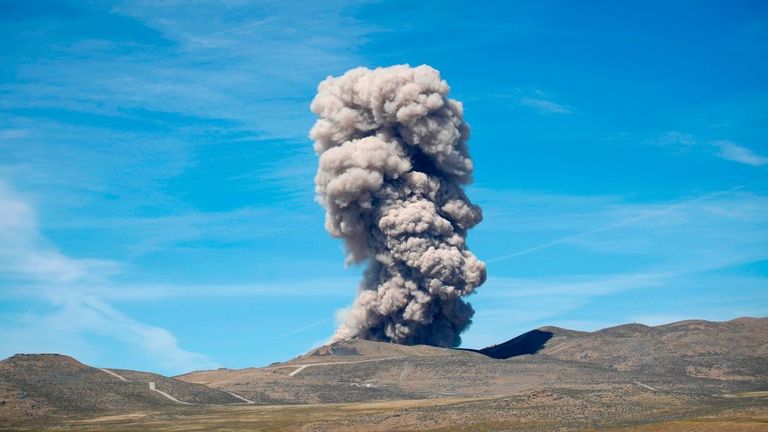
(108, 130)
(534, 99)
(731, 151)
(681, 142)
(115, 292)
(25, 254)
(573, 285)
(694, 245)
(510, 306)
(545, 106)
(68, 327)
(677, 141)
(654, 216)
(76, 311)
(151, 234)
(267, 55)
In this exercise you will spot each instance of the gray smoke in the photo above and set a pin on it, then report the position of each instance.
(393, 157)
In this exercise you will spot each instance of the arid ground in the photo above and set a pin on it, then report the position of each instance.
(686, 376)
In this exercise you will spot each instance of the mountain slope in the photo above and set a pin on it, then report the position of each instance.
(693, 364)
(39, 386)
(731, 350)
(693, 357)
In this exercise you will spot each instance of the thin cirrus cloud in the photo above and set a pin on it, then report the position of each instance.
(544, 106)
(532, 99)
(71, 301)
(636, 215)
(731, 151)
(75, 312)
(166, 106)
(681, 142)
(520, 304)
(27, 255)
(689, 248)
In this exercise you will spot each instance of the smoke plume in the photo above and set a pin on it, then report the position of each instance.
(393, 158)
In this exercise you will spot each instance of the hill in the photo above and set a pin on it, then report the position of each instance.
(696, 373)
(689, 357)
(43, 386)
(732, 350)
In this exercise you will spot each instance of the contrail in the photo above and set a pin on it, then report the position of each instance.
(305, 328)
(393, 158)
(625, 222)
(232, 29)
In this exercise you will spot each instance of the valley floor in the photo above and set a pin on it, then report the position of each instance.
(542, 410)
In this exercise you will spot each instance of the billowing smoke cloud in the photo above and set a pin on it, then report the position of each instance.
(393, 157)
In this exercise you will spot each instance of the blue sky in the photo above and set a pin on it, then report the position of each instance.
(156, 179)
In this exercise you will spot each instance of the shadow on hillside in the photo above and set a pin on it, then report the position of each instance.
(527, 343)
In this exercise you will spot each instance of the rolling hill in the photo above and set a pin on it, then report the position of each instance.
(44, 386)
(548, 378)
(688, 357)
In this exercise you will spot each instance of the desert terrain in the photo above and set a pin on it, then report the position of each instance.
(690, 375)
